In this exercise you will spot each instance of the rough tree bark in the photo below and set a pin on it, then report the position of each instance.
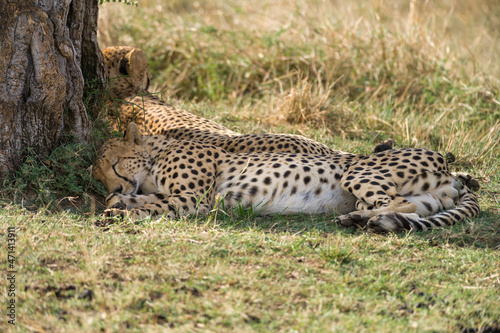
(44, 46)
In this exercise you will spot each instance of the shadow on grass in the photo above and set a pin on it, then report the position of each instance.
(481, 232)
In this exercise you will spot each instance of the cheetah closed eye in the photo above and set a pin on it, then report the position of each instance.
(388, 191)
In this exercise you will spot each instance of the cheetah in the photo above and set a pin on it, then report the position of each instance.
(128, 68)
(389, 191)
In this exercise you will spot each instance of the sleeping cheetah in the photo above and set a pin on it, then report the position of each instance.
(387, 191)
(127, 69)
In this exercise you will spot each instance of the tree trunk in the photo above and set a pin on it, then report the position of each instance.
(41, 79)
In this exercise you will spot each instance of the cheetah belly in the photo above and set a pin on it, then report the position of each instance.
(283, 196)
(306, 201)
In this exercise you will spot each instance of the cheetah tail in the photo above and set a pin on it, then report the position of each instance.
(467, 207)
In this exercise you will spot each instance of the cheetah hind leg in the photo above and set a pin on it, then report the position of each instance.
(467, 180)
(366, 210)
(468, 207)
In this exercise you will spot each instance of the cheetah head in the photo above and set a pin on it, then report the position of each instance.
(122, 164)
(127, 70)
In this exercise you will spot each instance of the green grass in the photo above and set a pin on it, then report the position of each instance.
(348, 74)
(259, 274)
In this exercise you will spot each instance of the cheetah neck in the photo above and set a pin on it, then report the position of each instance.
(155, 144)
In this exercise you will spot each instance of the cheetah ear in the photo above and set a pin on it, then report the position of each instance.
(133, 134)
(123, 68)
(133, 62)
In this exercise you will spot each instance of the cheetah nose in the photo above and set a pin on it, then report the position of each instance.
(117, 190)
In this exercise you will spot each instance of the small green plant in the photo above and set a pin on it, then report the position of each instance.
(336, 255)
(239, 213)
(244, 212)
(46, 181)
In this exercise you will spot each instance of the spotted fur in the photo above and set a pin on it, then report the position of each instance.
(184, 177)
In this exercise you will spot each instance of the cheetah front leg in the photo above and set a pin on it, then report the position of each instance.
(138, 207)
(129, 201)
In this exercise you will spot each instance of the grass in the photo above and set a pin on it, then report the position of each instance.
(348, 74)
(279, 274)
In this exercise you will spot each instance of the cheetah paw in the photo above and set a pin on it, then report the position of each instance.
(468, 180)
(383, 223)
(114, 200)
(115, 212)
(352, 220)
(391, 222)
